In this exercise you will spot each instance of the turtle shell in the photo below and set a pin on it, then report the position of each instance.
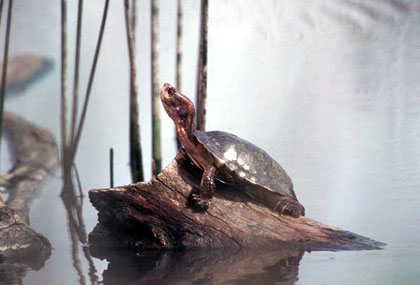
(246, 162)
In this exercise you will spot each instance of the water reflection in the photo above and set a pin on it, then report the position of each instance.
(14, 272)
(220, 266)
(77, 229)
(333, 95)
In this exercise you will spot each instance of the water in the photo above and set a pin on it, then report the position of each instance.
(328, 88)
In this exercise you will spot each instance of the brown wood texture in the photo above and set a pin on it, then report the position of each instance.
(155, 215)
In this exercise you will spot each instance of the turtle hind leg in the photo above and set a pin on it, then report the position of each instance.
(200, 198)
(290, 207)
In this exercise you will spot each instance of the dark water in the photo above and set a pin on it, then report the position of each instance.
(328, 88)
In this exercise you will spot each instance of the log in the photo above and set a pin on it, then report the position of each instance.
(155, 215)
(23, 70)
(19, 243)
(35, 155)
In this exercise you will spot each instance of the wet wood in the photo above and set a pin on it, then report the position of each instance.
(22, 70)
(155, 215)
(19, 243)
(34, 153)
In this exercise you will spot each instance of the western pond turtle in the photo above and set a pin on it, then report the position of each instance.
(230, 159)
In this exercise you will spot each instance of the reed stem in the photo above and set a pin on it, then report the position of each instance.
(64, 141)
(179, 56)
(79, 183)
(1, 8)
(5, 59)
(90, 82)
(156, 120)
(202, 68)
(134, 19)
(136, 163)
(75, 103)
(111, 167)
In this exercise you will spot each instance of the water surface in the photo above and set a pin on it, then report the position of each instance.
(329, 88)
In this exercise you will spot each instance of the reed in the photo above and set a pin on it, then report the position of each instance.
(5, 59)
(156, 120)
(136, 163)
(79, 183)
(78, 133)
(111, 167)
(133, 19)
(202, 68)
(179, 56)
(75, 103)
(63, 92)
(1, 8)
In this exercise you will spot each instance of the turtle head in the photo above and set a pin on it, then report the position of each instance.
(179, 108)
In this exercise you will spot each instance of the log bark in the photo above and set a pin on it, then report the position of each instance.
(155, 215)
(34, 153)
(19, 243)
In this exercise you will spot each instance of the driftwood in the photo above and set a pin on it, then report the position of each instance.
(35, 154)
(155, 215)
(23, 70)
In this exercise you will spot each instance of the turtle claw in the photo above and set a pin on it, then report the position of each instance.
(290, 208)
(199, 202)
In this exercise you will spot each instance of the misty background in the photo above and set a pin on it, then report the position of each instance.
(330, 89)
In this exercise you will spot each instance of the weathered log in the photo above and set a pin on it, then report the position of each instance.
(155, 215)
(34, 153)
(23, 70)
(19, 243)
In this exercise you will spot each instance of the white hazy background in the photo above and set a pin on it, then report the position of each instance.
(330, 89)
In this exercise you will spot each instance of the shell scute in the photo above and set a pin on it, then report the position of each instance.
(249, 163)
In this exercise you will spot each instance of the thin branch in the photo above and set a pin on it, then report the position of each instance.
(90, 82)
(136, 162)
(202, 68)
(76, 73)
(5, 59)
(156, 121)
(179, 56)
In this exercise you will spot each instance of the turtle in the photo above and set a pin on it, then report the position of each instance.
(230, 159)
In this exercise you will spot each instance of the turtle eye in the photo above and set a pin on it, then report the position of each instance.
(171, 91)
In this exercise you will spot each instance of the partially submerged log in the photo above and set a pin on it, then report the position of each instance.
(35, 155)
(155, 215)
(19, 243)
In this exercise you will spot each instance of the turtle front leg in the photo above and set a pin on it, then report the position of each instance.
(201, 198)
(290, 207)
